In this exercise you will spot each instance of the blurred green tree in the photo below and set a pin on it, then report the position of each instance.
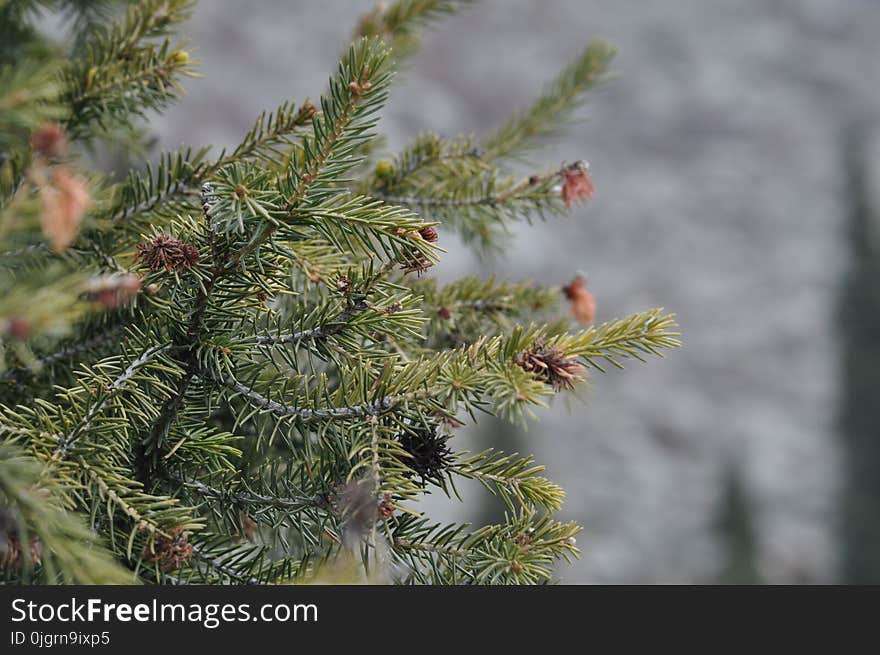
(858, 316)
(734, 525)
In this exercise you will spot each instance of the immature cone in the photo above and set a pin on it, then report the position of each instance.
(430, 456)
(429, 234)
(384, 169)
(360, 88)
(581, 301)
(65, 201)
(170, 552)
(168, 252)
(577, 184)
(306, 111)
(550, 365)
(181, 57)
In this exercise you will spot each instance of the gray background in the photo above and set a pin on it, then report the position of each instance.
(715, 154)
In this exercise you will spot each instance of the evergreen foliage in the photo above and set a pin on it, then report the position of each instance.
(228, 367)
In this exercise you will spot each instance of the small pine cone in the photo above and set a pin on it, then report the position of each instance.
(165, 251)
(429, 234)
(577, 184)
(444, 313)
(170, 552)
(430, 455)
(581, 301)
(550, 365)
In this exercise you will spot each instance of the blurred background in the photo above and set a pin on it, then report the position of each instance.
(735, 161)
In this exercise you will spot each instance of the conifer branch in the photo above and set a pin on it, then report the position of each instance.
(399, 23)
(242, 565)
(180, 174)
(517, 552)
(64, 354)
(73, 350)
(550, 111)
(30, 95)
(279, 370)
(122, 73)
(255, 500)
(647, 333)
(35, 520)
(511, 475)
(427, 153)
(341, 128)
(335, 326)
(479, 205)
(220, 566)
(195, 325)
(306, 414)
(66, 441)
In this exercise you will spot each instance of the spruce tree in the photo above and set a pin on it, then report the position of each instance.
(235, 367)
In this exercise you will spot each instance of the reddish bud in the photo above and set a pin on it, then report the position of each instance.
(18, 328)
(577, 184)
(49, 140)
(581, 301)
